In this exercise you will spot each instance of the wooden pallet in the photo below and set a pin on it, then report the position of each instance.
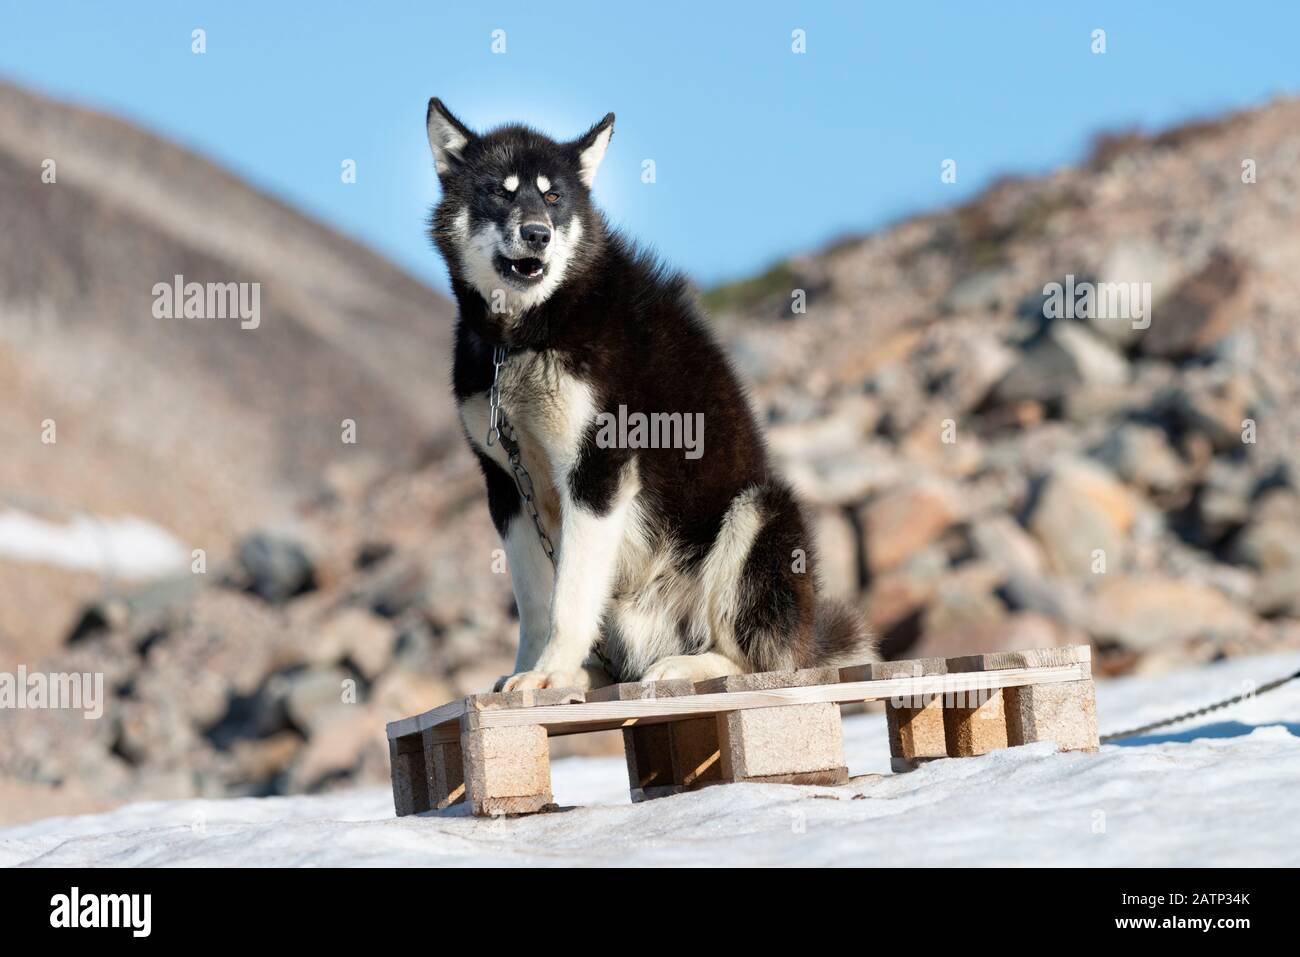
(491, 749)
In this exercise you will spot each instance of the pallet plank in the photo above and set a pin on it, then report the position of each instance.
(604, 715)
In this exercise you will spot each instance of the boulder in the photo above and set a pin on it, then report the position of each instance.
(1223, 503)
(1065, 357)
(1146, 611)
(999, 540)
(1215, 408)
(355, 635)
(901, 522)
(1132, 259)
(837, 552)
(1080, 508)
(1200, 312)
(1141, 455)
(964, 616)
(274, 567)
(315, 697)
(1278, 592)
(1271, 539)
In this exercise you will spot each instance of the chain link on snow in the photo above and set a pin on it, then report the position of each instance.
(1206, 709)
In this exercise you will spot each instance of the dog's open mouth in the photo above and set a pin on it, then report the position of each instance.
(525, 270)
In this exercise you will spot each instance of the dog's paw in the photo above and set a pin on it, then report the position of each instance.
(691, 667)
(532, 680)
(668, 669)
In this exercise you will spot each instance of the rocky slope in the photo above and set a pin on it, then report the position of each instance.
(980, 474)
(203, 428)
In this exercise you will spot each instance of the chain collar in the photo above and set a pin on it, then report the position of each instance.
(499, 430)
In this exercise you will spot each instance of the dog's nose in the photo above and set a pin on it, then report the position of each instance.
(535, 234)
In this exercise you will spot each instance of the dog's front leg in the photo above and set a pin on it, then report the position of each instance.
(590, 538)
(533, 579)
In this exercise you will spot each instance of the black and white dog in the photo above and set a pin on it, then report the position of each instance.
(671, 560)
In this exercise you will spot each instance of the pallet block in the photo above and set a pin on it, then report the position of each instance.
(670, 757)
(507, 770)
(410, 777)
(445, 764)
(427, 762)
(975, 719)
(794, 744)
(491, 750)
(1064, 712)
(914, 722)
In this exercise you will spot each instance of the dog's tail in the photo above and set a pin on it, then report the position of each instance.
(840, 636)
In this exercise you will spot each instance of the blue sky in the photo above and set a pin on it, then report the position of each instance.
(759, 152)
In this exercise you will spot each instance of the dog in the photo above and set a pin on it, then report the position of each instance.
(631, 559)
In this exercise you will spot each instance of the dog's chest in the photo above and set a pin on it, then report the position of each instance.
(549, 410)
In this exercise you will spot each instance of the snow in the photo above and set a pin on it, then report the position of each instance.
(124, 547)
(1219, 791)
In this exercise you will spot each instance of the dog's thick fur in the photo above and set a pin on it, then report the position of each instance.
(686, 567)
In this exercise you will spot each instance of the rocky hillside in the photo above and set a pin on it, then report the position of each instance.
(201, 427)
(983, 471)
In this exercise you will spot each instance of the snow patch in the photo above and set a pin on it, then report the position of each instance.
(1218, 792)
(125, 547)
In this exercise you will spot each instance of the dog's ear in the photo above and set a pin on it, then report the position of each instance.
(448, 137)
(590, 148)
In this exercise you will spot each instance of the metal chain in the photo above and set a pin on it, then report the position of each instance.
(499, 430)
(1143, 729)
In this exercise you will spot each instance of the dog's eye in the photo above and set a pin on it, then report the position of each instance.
(551, 198)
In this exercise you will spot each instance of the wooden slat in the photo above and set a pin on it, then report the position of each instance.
(492, 701)
(605, 715)
(1028, 658)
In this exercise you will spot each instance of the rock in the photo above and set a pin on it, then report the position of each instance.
(315, 697)
(259, 761)
(481, 676)
(1200, 312)
(1130, 260)
(1061, 599)
(274, 567)
(1223, 502)
(355, 635)
(401, 693)
(1064, 358)
(1024, 630)
(902, 521)
(965, 616)
(1278, 592)
(1216, 409)
(845, 478)
(979, 291)
(1081, 509)
(1271, 540)
(1141, 455)
(336, 749)
(156, 733)
(847, 426)
(837, 553)
(939, 445)
(961, 362)
(999, 540)
(395, 587)
(897, 596)
(1144, 612)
